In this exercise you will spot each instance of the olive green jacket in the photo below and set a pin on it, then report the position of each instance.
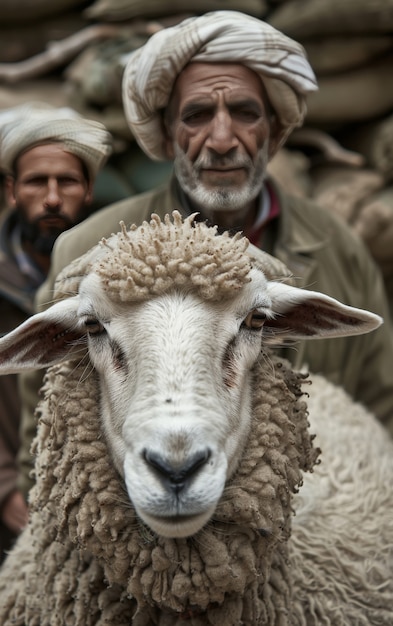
(16, 304)
(323, 255)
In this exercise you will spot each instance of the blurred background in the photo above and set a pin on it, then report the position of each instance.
(72, 53)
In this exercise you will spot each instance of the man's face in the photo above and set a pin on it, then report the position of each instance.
(51, 193)
(219, 134)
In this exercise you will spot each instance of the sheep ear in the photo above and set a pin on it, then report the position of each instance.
(42, 340)
(303, 314)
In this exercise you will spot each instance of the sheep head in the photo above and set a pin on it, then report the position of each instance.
(174, 318)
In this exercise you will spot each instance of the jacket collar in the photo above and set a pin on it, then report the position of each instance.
(295, 243)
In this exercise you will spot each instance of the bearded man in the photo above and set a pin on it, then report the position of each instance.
(50, 158)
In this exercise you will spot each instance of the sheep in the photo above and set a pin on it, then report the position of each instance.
(177, 475)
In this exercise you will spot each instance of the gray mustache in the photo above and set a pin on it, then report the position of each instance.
(222, 161)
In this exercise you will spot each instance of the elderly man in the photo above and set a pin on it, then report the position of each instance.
(219, 94)
(50, 158)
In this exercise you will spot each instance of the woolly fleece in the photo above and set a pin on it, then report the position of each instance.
(87, 560)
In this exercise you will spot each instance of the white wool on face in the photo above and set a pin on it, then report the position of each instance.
(215, 37)
(30, 125)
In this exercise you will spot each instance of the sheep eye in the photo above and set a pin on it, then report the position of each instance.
(254, 320)
(93, 326)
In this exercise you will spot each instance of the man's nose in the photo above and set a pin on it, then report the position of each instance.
(222, 137)
(52, 197)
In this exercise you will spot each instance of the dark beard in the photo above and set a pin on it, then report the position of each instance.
(43, 242)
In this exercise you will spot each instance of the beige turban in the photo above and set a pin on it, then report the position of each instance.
(29, 125)
(215, 37)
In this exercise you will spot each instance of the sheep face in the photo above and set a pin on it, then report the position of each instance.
(175, 374)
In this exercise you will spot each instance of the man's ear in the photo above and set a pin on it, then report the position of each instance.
(169, 149)
(168, 142)
(278, 135)
(167, 134)
(9, 191)
(89, 193)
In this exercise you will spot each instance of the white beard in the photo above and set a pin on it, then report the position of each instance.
(221, 198)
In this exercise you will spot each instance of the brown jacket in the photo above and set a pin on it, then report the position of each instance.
(323, 255)
(16, 304)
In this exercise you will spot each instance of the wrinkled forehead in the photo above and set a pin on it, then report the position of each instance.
(203, 80)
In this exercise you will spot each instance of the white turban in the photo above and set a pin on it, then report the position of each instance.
(29, 125)
(215, 37)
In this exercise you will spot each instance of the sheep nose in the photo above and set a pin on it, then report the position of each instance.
(176, 477)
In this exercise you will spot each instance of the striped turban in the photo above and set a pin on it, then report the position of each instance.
(30, 125)
(215, 37)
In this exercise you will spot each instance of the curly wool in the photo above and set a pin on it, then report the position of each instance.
(157, 256)
(160, 255)
(95, 563)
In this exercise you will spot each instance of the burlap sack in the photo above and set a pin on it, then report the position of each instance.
(303, 19)
(330, 55)
(21, 41)
(50, 90)
(354, 96)
(128, 9)
(343, 190)
(21, 11)
(97, 71)
(375, 141)
(58, 93)
(374, 224)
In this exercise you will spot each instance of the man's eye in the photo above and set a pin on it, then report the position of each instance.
(196, 117)
(36, 181)
(68, 181)
(246, 115)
